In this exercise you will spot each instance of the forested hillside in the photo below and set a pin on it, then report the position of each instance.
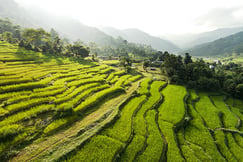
(186, 41)
(223, 46)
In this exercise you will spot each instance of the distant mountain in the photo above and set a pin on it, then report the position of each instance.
(138, 36)
(65, 26)
(191, 40)
(72, 29)
(222, 46)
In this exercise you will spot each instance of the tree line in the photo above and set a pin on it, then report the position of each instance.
(40, 40)
(200, 75)
(123, 48)
(50, 42)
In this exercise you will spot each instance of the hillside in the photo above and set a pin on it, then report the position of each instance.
(55, 108)
(67, 27)
(190, 40)
(73, 29)
(138, 36)
(220, 47)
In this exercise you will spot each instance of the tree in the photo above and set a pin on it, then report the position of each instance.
(80, 51)
(187, 59)
(229, 86)
(7, 36)
(125, 62)
(36, 37)
(239, 90)
(173, 68)
(146, 64)
(53, 34)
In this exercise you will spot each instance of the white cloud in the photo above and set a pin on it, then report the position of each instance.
(222, 17)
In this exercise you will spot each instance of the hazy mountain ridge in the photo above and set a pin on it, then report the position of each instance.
(227, 45)
(190, 40)
(138, 36)
(73, 29)
(65, 26)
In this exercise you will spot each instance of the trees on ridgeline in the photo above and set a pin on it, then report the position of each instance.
(40, 40)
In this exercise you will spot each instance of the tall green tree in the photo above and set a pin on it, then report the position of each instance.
(187, 59)
(7, 36)
(80, 51)
(36, 37)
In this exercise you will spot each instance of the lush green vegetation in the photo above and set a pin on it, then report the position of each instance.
(61, 109)
(203, 76)
(43, 99)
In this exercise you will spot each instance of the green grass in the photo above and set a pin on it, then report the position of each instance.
(3, 112)
(99, 148)
(188, 153)
(155, 143)
(173, 152)
(133, 148)
(122, 80)
(14, 81)
(139, 122)
(57, 124)
(229, 119)
(209, 112)
(132, 79)
(172, 110)
(221, 140)
(145, 85)
(28, 104)
(234, 147)
(98, 97)
(110, 62)
(9, 131)
(4, 145)
(6, 96)
(33, 112)
(115, 79)
(122, 129)
(199, 137)
(85, 81)
(66, 93)
(74, 102)
(53, 107)
(75, 92)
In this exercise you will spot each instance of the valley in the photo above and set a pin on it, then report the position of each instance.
(62, 110)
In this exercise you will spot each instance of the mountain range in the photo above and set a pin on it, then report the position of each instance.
(73, 29)
(138, 36)
(190, 40)
(223, 46)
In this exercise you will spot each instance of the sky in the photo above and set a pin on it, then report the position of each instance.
(157, 17)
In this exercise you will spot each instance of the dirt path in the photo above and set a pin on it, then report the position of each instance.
(42, 146)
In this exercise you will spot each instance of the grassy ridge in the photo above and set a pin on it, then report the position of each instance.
(93, 152)
(155, 143)
(172, 112)
(122, 129)
(198, 135)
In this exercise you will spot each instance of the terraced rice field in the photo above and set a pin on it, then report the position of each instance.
(60, 109)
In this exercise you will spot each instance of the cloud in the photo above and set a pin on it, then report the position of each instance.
(221, 18)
